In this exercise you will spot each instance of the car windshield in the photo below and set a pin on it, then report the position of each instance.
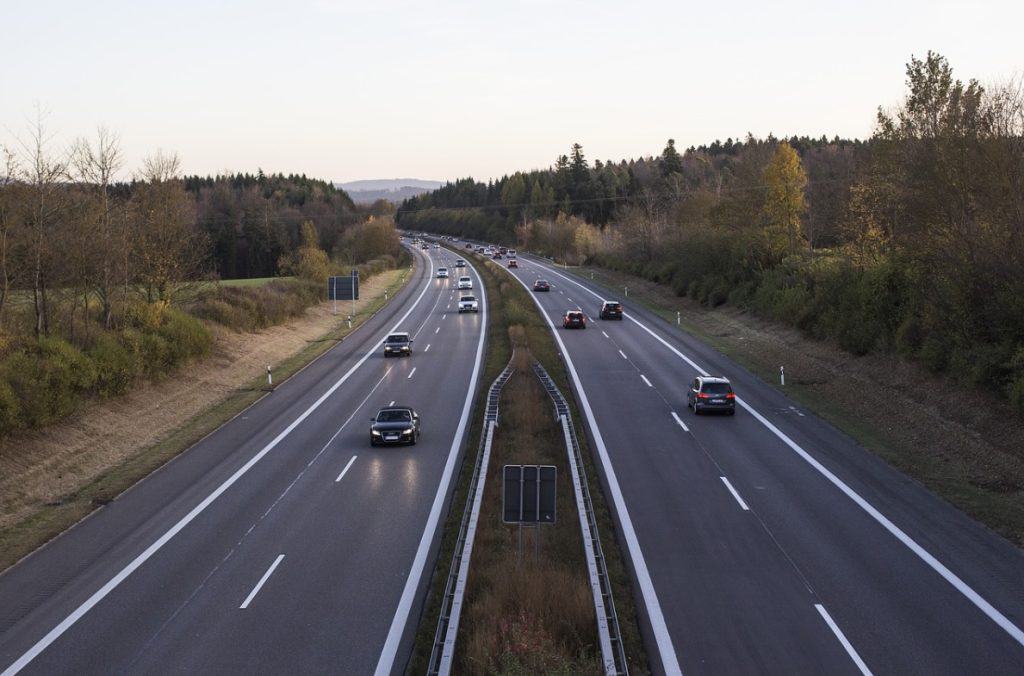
(468, 298)
(716, 388)
(398, 338)
(394, 416)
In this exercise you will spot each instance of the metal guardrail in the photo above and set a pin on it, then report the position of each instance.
(443, 652)
(612, 651)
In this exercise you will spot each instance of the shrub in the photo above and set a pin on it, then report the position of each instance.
(116, 366)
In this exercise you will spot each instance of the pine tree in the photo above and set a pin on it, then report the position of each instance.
(671, 160)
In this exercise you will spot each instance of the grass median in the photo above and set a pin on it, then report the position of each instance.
(534, 615)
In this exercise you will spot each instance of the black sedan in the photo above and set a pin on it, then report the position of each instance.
(541, 285)
(395, 425)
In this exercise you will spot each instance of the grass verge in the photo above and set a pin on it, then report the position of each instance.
(515, 321)
(21, 538)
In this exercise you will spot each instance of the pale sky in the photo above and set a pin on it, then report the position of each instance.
(375, 89)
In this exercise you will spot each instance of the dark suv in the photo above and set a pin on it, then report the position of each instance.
(708, 393)
(395, 425)
(611, 309)
(541, 285)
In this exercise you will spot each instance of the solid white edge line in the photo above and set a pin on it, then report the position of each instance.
(389, 652)
(966, 590)
(648, 382)
(347, 465)
(448, 651)
(259, 585)
(667, 652)
(135, 563)
(735, 494)
(842, 639)
(680, 421)
(410, 373)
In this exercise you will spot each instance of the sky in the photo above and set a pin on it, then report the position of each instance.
(441, 89)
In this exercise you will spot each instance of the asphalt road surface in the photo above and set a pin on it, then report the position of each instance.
(281, 543)
(771, 542)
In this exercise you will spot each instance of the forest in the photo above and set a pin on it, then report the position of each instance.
(911, 241)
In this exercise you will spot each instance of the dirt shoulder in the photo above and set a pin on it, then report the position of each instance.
(964, 445)
(51, 478)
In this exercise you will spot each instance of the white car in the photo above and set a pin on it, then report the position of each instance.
(437, 246)
(468, 304)
(465, 283)
(442, 273)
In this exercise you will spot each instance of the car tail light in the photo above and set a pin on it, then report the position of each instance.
(731, 395)
(703, 395)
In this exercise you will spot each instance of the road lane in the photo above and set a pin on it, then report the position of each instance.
(287, 498)
(892, 607)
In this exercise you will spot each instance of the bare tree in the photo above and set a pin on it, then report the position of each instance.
(44, 178)
(97, 166)
(170, 249)
(8, 201)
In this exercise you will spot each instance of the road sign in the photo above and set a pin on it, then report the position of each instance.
(528, 493)
(343, 288)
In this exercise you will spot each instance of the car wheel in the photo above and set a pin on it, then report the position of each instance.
(732, 411)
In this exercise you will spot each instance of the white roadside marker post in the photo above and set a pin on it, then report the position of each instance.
(625, 291)
(678, 318)
(270, 378)
(782, 375)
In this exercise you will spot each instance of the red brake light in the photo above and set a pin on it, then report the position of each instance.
(731, 395)
(703, 395)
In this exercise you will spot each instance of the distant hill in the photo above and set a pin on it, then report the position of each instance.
(393, 190)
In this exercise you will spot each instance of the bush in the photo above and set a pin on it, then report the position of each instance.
(48, 379)
(116, 366)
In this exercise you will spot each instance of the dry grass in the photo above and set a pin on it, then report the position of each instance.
(52, 477)
(528, 610)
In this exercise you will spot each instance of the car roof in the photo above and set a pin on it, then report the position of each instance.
(393, 408)
(713, 379)
(611, 302)
(399, 333)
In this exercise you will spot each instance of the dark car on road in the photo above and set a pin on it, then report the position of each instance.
(541, 285)
(611, 309)
(512, 263)
(395, 425)
(709, 393)
(398, 344)
(574, 319)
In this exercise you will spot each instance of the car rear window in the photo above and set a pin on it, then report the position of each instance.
(394, 416)
(613, 306)
(716, 388)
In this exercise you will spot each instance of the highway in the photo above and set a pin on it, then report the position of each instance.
(769, 541)
(281, 543)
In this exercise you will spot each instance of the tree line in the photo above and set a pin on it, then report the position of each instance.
(104, 281)
(911, 241)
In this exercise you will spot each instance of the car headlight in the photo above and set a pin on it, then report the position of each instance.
(375, 433)
(406, 431)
